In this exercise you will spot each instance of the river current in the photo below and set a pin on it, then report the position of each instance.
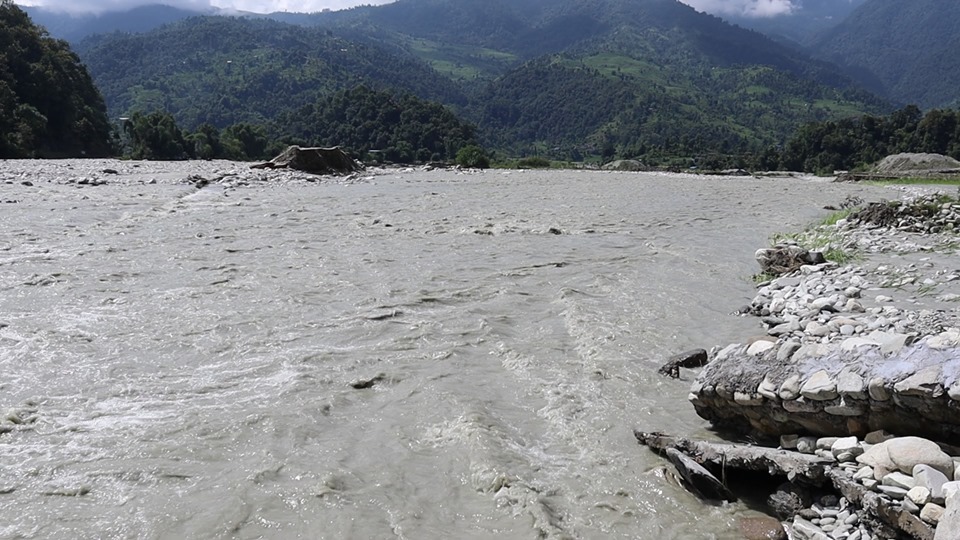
(414, 355)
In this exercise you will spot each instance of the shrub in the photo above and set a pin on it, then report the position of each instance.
(473, 157)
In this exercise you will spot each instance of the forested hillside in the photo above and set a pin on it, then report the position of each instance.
(906, 50)
(856, 142)
(563, 78)
(225, 70)
(49, 105)
(576, 77)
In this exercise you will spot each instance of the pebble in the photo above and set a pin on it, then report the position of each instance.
(899, 480)
(931, 513)
(919, 495)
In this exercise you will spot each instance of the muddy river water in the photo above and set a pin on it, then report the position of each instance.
(409, 354)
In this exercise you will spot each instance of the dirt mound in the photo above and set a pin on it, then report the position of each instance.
(899, 164)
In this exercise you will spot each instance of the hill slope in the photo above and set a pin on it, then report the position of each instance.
(906, 50)
(75, 27)
(224, 70)
(49, 105)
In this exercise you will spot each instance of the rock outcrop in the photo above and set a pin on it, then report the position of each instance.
(628, 165)
(313, 160)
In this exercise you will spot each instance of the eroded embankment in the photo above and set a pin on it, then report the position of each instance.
(850, 354)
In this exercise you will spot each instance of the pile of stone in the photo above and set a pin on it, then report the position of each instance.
(916, 164)
(863, 383)
(824, 303)
(910, 475)
(925, 214)
(830, 518)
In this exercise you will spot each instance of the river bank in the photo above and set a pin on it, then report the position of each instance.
(852, 356)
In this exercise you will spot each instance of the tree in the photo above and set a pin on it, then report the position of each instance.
(49, 106)
(473, 156)
(155, 136)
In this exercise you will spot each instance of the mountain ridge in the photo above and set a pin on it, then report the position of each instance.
(906, 51)
(604, 65)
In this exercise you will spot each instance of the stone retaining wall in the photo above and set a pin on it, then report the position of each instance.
(849, 388)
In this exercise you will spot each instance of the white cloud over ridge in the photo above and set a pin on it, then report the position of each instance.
(743, 8)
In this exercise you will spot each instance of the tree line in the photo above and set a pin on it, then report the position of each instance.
(368, 124)
(855, 143)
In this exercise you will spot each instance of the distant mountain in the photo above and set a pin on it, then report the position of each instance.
(567, 77)
(906, 50)
(804, 24)
(633, 73)
(75, 27)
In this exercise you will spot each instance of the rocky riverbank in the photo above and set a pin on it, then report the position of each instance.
(849, 354)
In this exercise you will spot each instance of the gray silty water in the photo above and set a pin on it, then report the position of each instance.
(411, 355)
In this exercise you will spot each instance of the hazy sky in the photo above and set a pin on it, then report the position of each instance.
(755, 8)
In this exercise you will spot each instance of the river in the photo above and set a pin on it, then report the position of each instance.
(410, 354)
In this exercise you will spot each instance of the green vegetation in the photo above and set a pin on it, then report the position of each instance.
(853, 143)
(49, 106)
(386, 125)
(823, 236)
(461, 63)
(223, 71)
(473, 156)
(157, 136)
(832, 219)
(403, 128)
(566, 80)
(534, 162)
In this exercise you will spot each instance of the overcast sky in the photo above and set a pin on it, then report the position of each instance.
(750, 8)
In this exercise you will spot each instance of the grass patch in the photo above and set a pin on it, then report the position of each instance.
(841, 256)
(833, 218)
(763, 277)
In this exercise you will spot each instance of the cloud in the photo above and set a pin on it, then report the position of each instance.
(745, 8)
(741, 8)
(258, 6)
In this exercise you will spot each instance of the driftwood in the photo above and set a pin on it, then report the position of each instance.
(891, 519)
(313, 160)
(703, 482)
(785, 258)
(738, 456)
